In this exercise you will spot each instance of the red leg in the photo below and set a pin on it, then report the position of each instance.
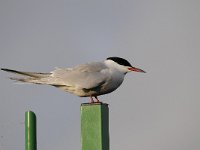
(98, 101)
(91, 99)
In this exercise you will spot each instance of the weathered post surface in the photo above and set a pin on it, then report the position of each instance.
(95, 126)
(30, 131)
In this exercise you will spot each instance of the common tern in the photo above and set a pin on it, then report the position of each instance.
(85, 80)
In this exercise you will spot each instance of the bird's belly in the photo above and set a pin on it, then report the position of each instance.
(109, 86)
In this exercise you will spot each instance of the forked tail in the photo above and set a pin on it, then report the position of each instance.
(29, 77)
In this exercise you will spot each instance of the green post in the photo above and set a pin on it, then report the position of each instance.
(95, 126)
(30, 131)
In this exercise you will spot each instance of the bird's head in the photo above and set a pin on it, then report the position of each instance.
(122, 65)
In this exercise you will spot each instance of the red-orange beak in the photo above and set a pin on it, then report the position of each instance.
(136, 69)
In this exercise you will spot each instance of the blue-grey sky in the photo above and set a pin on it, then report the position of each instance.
(154, 111)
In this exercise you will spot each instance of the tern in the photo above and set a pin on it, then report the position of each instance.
(85, 80)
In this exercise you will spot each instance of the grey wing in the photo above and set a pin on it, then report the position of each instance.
(86, 76)
(90, 67)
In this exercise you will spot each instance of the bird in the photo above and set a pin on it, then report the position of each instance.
(86, 80)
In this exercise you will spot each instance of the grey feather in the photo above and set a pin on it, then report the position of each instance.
(30, 77)
(31, 74)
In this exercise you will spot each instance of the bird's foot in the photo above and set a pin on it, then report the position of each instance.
(98, 101)
(92, 100)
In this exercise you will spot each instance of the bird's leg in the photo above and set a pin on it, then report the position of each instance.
(98, 101)
(91, 99)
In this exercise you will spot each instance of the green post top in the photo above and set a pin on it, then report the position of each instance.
(95, 126)
(30, 131)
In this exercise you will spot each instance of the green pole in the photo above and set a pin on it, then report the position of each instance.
(95, 126)
(30, 131)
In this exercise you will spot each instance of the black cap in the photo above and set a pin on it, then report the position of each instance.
(120, 61)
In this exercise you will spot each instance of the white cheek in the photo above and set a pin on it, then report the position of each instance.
(116, 66)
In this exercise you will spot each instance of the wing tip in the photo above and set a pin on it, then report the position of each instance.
(4, 69)
(9, 70)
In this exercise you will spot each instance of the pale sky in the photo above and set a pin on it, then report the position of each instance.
(158, 110)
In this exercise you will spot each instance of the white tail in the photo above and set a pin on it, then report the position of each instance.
(30, 77)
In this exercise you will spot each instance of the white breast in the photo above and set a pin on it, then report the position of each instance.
(114, 81)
